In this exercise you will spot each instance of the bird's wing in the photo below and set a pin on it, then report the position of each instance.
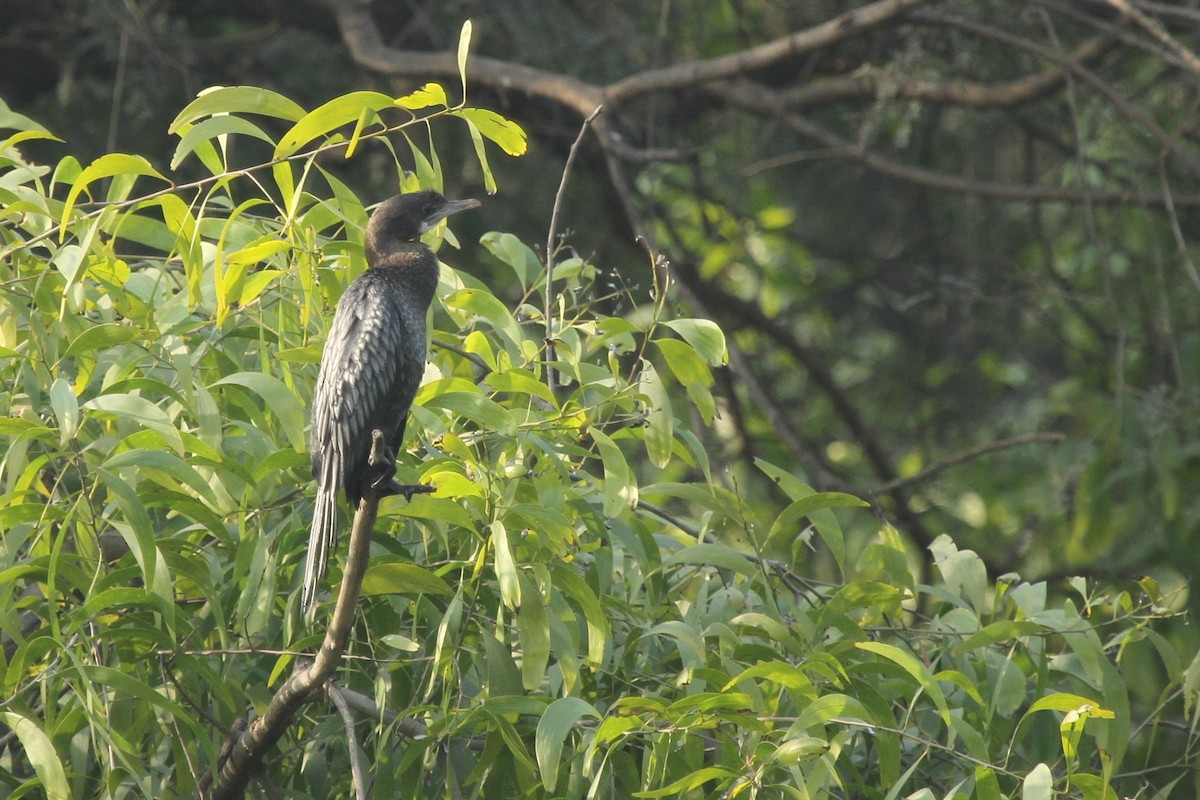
(358, 371)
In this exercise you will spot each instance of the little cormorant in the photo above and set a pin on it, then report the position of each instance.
(372, 365)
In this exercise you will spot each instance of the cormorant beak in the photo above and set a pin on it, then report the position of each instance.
(451, 207)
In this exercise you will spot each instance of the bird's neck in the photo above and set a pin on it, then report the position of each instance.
(413, 264)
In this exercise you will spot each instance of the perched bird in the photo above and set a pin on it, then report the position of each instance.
(372, 365)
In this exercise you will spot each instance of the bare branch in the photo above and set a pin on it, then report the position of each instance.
(969, 455)
(357, 774)
(551, 234)
(252, 745)
(1127, 109)
(696, 73)
(872, 83)
(1155, 29)
(368, 49)
(768, 103)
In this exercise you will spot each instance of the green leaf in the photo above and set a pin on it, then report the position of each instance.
(278, 398)
(780, 672)
(505, 133)
(962, 571)
(690, 781)
(487, 307)
(520, 382)
(1065, 701)
(141, 413)
(170, 465)
(787, 525)
(13, 121)
(690, 370)
(799, 750)
(218, 127)
(488, 414)
(829, 707)
(713, 555)
(558, 720)
(401, 578)
(913, 667)
(598, 627)
(1038, 784)
(659, 432)
(237, 100)
(431, 94)
(516, 254)
(464, 46)
(620, 488)
(330, 116)
(489, 180)
(704, 335)
(506, 567)
(99, 337)
(1005, 630)
(39, 749)
(533, 630)
(106, 166)
(66, 409)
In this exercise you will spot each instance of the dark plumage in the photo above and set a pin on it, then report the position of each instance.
(372, 364)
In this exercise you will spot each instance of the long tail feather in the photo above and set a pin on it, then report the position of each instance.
(322, 536)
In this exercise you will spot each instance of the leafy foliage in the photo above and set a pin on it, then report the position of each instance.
(583, 608)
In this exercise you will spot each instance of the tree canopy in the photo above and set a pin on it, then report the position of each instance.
(811, 407)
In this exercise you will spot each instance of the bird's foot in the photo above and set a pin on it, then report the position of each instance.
(382, 465)
(408, 490)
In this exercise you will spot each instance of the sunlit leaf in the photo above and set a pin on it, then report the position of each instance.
(237, 100)
(39, 749)
(330, 116)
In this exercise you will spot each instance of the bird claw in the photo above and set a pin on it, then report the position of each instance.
(407, 490)
(382, 462)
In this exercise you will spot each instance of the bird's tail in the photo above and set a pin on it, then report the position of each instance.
(323, 535)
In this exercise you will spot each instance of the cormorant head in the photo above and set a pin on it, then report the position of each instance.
(405, 217)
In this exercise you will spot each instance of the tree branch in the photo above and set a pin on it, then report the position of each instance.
(251, 746)
(367, 47)
(765, 102)
(696, 73)
(969, 455)
(972, 94)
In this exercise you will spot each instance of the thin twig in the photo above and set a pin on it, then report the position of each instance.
(548, 310)
(1155, 29)
(968, 455)
(357, 776)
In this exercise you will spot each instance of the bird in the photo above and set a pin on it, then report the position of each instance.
(371, 366)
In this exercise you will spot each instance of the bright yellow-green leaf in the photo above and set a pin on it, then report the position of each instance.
(431, 94)
(506, 134)
(106, 166)
(237, 100)
(327, 118)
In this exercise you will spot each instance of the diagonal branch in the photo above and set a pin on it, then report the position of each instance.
(696, 73)
(367, 47)
(766, 102)
(251, 746)
(869, 84)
